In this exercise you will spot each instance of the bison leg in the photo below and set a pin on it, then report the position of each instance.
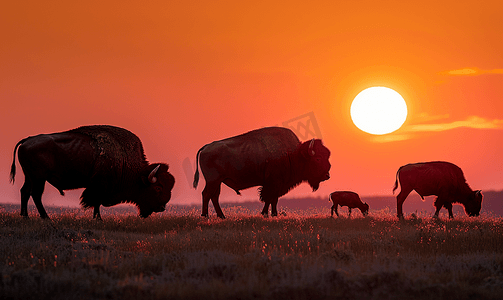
(400, 199)
(274, 207)
(216, 205)
(96, 213)
(25, 196)
(36, 194)
(208, 190)
(448, 205)
(337, 209)
(265, 210)
(269, 197)
(349, 210)
(441, 202)
(211, 192)
(438, 206)
(206, 201)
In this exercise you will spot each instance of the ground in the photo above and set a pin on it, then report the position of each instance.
(303, 255)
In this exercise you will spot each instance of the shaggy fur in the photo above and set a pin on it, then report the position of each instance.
(108, 161)
(272, 158)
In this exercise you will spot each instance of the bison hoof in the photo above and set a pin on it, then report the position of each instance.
(221, 216)
(204, 215)
(400, 216)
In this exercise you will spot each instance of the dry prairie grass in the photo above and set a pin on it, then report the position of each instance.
(180, 255)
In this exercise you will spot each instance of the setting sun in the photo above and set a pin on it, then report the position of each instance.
(378, 110)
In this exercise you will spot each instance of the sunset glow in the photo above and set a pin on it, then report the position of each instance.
(181, 75)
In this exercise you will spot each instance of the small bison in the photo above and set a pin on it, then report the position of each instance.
(442, 179)
(349, 199)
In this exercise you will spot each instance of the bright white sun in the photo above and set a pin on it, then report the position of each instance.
(378, 110)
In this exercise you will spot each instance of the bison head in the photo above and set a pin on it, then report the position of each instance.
(365, 209)
(474, 204)
(158, 183)
(317, 166)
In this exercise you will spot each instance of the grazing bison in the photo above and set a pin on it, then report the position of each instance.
(442, 179)
(108, 161)
(272, 158)
(349, 199)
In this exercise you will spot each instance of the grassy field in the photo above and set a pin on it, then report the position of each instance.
(303, 255)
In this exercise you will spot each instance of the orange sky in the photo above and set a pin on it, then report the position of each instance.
(181, 74)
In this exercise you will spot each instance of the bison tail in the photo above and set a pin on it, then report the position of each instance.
(13, 172)
(13, 166)
(396, 181)
(196, 175)
(196, 179)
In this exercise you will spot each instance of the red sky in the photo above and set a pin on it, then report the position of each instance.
(181, 74)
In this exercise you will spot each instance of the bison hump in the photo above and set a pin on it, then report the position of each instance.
(119, 153)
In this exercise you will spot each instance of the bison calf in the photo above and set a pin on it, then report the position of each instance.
(349, 199)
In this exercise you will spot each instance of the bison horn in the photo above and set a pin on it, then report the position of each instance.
(151, 176)
(311, 151)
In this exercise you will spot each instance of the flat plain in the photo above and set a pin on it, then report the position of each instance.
(302, 254)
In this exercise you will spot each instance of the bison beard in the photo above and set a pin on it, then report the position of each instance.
(272, 158)
(108, 161)
(315, 185)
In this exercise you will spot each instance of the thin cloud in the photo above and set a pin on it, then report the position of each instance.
(393, 137)
(475, 122)
(471, 72)
(425, 117)
(410, 131)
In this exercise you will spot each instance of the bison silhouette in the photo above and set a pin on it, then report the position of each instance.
(271, 157)
(442, 179)
(108, 161)
(349, 199)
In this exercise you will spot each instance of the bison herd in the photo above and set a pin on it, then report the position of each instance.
(109, 162)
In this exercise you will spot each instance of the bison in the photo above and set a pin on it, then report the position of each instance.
(442, 179)
(107, 161)
(271, 157)
(349, 199)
